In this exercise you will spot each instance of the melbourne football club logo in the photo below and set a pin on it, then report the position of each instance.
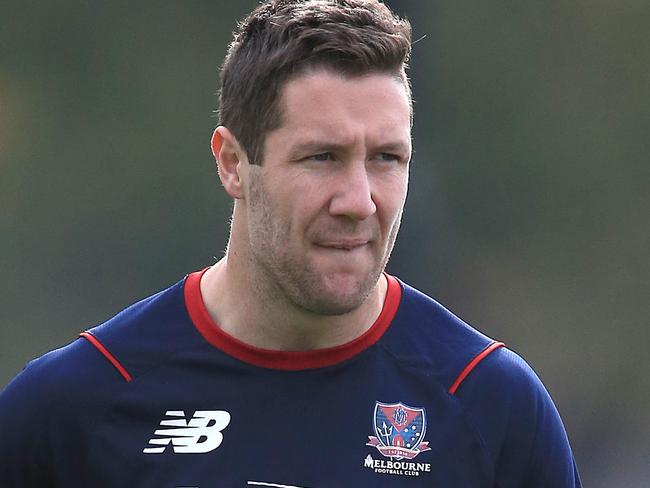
(399, 430)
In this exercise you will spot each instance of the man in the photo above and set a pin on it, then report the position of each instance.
(294, 361)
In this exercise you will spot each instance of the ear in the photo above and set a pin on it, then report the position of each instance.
(231, 161)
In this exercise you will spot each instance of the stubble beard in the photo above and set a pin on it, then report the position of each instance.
(278, 275)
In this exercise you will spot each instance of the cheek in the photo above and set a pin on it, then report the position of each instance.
(390, 201)
(285, 216)
(305, 203)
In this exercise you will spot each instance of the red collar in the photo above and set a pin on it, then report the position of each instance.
(286, 360)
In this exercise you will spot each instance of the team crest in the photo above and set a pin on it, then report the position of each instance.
(399, 430)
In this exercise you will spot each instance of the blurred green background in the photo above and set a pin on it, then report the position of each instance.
(528, 214)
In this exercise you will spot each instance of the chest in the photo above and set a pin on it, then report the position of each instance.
(232, 428)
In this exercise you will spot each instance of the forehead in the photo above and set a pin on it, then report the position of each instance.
(323, 103)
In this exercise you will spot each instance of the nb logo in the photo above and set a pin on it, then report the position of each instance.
(202, 433)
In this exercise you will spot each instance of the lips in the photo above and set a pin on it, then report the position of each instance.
(343, 244)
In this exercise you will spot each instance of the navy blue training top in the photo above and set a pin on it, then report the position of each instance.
(160, 396)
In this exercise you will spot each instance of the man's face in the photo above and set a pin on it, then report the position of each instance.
(324, 207)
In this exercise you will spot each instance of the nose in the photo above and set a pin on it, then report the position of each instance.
(353, 196)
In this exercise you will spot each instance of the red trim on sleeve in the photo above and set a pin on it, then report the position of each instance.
(106, 353)
(286, 360)
(473, 363)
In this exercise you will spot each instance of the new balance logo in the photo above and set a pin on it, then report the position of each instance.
(202, 433)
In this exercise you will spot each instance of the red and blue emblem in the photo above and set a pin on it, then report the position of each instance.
(399, 430)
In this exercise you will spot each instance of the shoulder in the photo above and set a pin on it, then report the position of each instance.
(67, 376)
(504, 390)
(46, 402)
(53, 379)
(428, 336)
(505, 373)
(57, 398)
(470, 362)
(471, 359)
(520, 425)
(146, 334)
(474, 367)
(501, 397)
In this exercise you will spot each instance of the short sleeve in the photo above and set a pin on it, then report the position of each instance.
(520, 427)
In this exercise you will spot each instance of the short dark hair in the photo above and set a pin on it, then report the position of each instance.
(281, 39)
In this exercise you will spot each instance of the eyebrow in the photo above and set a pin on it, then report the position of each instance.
(398, 147)
(314, 146)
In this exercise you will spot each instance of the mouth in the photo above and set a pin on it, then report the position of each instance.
(343, 245)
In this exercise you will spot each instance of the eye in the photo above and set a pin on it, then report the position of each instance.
(388, 157)
(321, 156)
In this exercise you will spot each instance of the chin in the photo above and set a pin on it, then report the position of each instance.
(336, 296)
(332, 306)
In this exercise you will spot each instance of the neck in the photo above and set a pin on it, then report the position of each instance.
(243, 307)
